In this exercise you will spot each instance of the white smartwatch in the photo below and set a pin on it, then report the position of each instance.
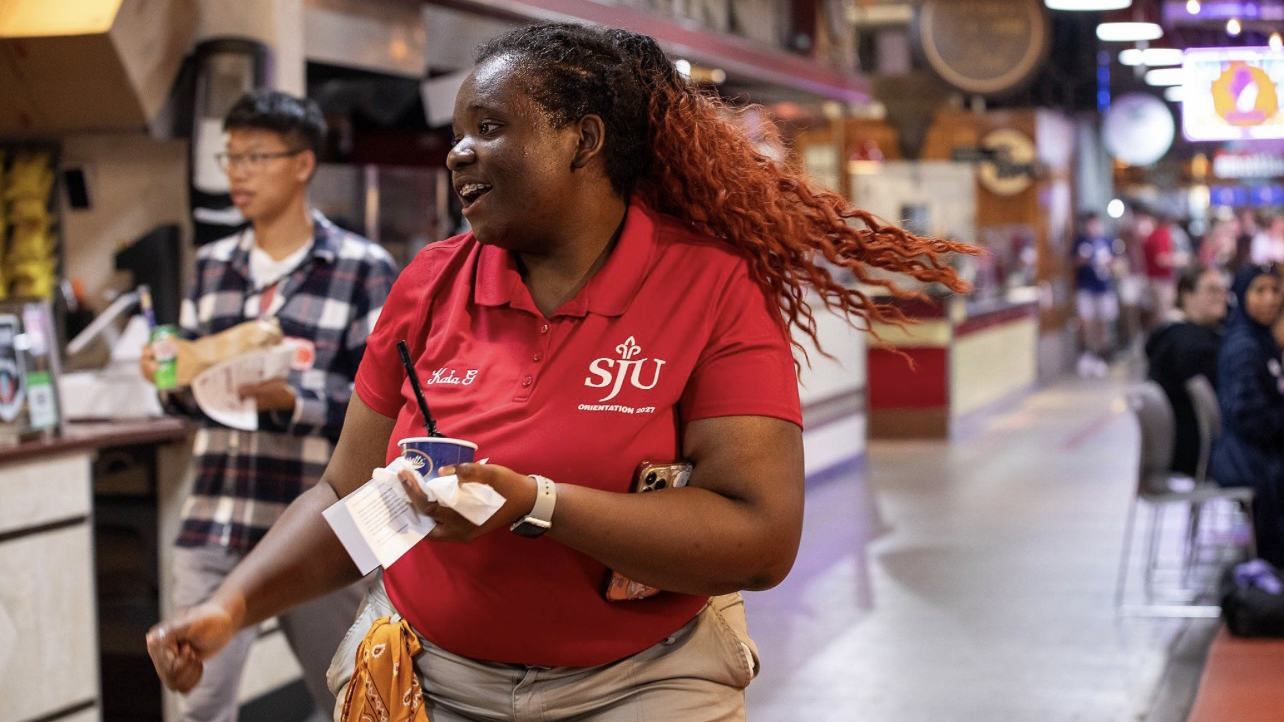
(540, 518)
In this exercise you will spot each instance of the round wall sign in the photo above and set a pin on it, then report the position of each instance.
(1138, 129)
(987, 47)
(1009, 165)
(1245, 95)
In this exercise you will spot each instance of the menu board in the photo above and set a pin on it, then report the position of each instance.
(1232, 93)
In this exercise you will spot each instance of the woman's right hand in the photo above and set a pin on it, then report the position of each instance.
(180, 646)
(147, 364)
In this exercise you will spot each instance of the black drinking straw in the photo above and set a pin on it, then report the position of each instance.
(414, 384)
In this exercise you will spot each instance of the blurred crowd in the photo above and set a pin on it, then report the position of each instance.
(1126, 281)
(1205, 305)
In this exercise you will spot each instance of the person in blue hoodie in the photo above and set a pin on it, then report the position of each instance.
(1250, 388)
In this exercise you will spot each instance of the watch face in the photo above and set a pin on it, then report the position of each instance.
(529, 527)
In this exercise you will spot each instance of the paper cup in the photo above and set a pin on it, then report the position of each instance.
(427, 454)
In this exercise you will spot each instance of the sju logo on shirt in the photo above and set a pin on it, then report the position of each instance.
(614, 372)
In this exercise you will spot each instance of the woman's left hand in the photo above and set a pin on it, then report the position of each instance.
(517, 489)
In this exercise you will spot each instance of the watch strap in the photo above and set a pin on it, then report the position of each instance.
(540, 518)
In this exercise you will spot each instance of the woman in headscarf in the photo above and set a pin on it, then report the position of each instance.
(1250, 388)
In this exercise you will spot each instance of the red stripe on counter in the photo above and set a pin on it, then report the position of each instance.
(915, 307)
(894, 384)
(998, 317)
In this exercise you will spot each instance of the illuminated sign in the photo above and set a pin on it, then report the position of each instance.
(1232, 93)
(1239, 196)
(1241, 164)
(1177, 12)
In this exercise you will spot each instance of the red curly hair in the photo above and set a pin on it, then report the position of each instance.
(676, 147)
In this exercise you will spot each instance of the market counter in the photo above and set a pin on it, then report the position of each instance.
(49, 627)
(93, 435)
(955, 359)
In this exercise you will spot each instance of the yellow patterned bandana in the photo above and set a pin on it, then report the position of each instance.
(384, 687)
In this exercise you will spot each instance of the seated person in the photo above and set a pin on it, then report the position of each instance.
(1251, 392)
(1185, 347)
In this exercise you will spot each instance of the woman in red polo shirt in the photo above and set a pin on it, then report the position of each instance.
(626, 294)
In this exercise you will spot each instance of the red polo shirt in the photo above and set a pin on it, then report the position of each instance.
(1159, 242)
(671, 329)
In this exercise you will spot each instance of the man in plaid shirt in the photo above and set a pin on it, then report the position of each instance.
(325, 286)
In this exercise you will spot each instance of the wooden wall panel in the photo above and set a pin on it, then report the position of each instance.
(851, 135)
(1046, 206)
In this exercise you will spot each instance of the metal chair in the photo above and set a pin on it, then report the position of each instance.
(1208, 417)
(1158, 487)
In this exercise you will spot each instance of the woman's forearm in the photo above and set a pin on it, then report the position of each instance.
(299, 559)
(683, 540)
(736, 526)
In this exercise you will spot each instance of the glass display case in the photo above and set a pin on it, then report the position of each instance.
(28, 371)
(1008, 264)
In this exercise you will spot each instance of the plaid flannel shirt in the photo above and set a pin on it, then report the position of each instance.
(245, 479)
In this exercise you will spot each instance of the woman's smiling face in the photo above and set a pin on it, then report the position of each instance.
(509, 165)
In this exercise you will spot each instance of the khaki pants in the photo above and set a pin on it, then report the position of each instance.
(698, 674)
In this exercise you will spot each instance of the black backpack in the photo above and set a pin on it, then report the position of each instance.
(1253, 605)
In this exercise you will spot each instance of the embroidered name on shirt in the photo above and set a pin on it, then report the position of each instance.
(612, 373)
(446, 375)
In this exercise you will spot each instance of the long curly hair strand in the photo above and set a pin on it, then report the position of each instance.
(683, 152)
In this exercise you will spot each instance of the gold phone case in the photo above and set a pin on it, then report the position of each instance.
(650, 477)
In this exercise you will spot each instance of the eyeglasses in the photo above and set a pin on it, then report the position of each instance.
(252, 162)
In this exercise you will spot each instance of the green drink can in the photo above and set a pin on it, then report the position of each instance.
(166, 350)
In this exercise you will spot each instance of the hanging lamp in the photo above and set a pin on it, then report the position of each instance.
(1137, 23)
(1087, 5)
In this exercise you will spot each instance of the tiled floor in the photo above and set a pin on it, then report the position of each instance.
(968, 581)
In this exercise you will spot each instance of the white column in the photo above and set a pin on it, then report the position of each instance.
(277, 23)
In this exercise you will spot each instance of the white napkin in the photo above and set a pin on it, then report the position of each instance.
(377, 523)
(474, 501)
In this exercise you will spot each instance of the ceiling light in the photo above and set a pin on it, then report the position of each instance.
(1192, 7)
(1164, 76)
(1173, 93)
(1151, 57)
(1276, 42)
(1233, 27)
(1087, 5)
(1128, 32)
(1158, 57)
